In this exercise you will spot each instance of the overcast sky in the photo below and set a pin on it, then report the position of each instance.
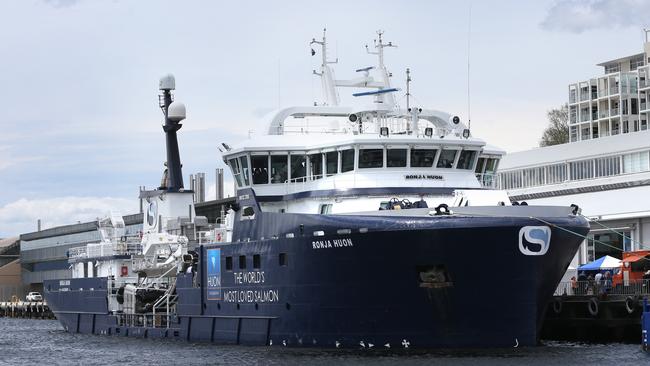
(80, 123)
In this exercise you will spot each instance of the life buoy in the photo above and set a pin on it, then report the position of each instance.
(592, 306)
(631, 303)
(557, 305)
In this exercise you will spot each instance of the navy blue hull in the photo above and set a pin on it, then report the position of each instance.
(362, 286)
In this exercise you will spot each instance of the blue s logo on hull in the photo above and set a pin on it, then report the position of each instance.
(213, 287)
(534, 240)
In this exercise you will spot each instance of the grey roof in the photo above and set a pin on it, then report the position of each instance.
(608, 145)
(618, 60)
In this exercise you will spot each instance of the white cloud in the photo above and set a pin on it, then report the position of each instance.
(61, 3)
(21, 216)
(577, 16)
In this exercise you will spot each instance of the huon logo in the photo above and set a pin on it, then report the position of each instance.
(534, 240)
(152, 212)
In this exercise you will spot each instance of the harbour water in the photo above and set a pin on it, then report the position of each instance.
(25, 341)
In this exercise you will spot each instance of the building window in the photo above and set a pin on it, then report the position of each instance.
(279, 169)
(242, 262)
(283, 259)
(466, 159)
(447, 158)
(583, 169)
(636, 162)
(347, 160)
(257, 261)
(608, 166)
(371, 158)
(556, 173)
(533, 177)
(260, 166)
(396, 158)
(228, 263)
(423, 158)
(298, 168)
(331, 162)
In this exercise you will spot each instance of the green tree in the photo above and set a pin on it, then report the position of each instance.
(557, 131)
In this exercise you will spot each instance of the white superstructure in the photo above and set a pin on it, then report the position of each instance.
(330, 158)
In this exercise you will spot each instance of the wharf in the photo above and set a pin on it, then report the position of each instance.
(591, 313)
(25, 309)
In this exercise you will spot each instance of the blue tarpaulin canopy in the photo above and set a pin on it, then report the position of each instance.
(605, 262)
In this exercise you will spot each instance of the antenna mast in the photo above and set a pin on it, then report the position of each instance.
(408, 88)
(469, 33)
(326, 75)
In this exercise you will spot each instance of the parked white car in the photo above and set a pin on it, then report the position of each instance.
(34, 296)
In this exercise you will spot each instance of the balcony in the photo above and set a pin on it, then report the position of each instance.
(584, 97)
(602, 93)
(615, 111)
(613, 90)
(643, 106)
(573, 118)
(604, 114)
(584, 118)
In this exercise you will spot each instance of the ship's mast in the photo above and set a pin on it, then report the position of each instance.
(174, 113)
(326, 74)
(379, 44)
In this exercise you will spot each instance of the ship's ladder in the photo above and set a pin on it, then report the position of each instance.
(166, 304)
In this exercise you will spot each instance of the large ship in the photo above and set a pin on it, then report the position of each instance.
(371, 225)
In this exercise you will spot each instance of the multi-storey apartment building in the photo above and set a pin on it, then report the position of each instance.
(605, 169)
(613, 103)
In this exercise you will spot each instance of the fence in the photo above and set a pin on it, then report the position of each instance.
(583, 288)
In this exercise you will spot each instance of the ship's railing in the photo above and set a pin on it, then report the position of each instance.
(148, 320)
(582, 288)
(105, 249)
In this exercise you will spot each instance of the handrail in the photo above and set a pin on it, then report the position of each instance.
(583, 288)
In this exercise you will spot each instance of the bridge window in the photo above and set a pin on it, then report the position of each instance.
(257, 261)
(396, 158)
(331, 162)
(371, 158)
(260, 166)
(423, 158)
(298, 168)
(466, 159)
(316, 165)
(347, 160)
(480, 165)
(244, 170)
(491, 166)
(236, 171)
(447, 158)
(228, 263)
(242, 262)
(279, 168)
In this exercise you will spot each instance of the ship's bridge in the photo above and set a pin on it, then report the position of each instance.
(281, 165)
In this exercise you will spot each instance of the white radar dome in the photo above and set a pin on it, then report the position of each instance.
(176, 112)
(167, 82)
